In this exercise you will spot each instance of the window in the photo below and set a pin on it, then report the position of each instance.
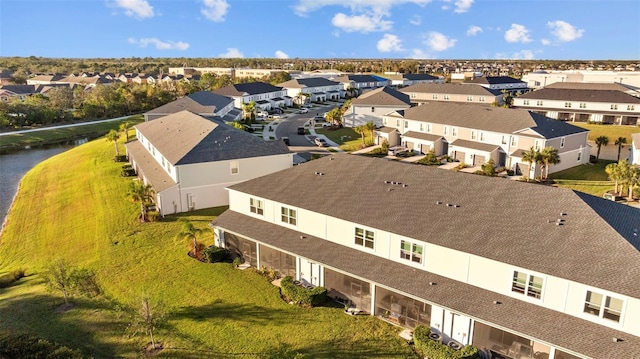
(474, 135)
(454, 131)
(614, 107)
(482, 136)
(536, 145)
(256, 206)
(288, 215)
(411, 251)
(434, 96)
(235, 167)
(583, 105)
(406, 124)
(514, 141)
(579, 155)
(373, 109)
(567, 104)
(364, 238)
(504, 140)
(603, 306)
(481, 99)
(421, 127)
(527, 284)
(562, 142)
(539, 103)
(446, 130)
(469, 98)
(446, 97)
(630, 107)
(525, 102)
(397, 123)
(429, 127)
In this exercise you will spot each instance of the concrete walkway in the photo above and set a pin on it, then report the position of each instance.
(312, 133)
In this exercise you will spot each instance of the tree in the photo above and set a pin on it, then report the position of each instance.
(633, 180)
(147, 318)
(620, 142)
(247, 109)
(236, 124)
(601, 141)
(62, 276)
(489, 168)
(615, 174)
(371, 127)
(190, 232)
(113, 135)
(549, 156)
(124, 127)
(531, 156)
(361, 130)
(335, 117)
(142, 193)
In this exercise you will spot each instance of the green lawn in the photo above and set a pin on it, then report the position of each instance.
(589, 178)
(611, 131)
(348, 139)
(73, 206)
(37, 138)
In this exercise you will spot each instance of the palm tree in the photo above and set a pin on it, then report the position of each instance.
(614, 173)
(113, 135)
(143, 193)
(531, 156)
(248, 108)
(620, 142)
(189, 232)
(124, 127)
(633, 180)
(371, 127)
(549, 156)
(601, 141)
(361, 130)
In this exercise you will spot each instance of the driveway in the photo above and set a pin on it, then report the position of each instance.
(302, 144)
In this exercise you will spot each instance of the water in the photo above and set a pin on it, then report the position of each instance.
(14, 166)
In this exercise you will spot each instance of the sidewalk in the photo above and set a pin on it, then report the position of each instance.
(312, 133)
(269, 130)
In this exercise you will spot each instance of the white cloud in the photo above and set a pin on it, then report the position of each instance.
(517, 33)
(390, 43)
(545, 42)
(419, 54)
(473, 30)
(462, 6)
(563, 31)
(160, 45)
(360, 23)
(304, 7)
(281, 55)
(439, 42)
(214, 10)
(520, 55)
(415, 20)
(232, 53)
(135, 8)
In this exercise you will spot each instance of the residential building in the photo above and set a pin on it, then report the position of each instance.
(501, 83)
(361, 83)
(16, 91)
(402, 80)
(6, 77)
(634, 151)
(188, 71)
(266, 96)
(45, 79)
(372, 105)
(473, 134)
(203, 103)
(422, 93)
(243, 73)
(517, 269)
(588, 104)
(542, 78)
(189, 160)
(316, 89)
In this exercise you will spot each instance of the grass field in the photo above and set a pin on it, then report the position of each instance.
(348, 139)
(611, 131)
(9, 142)
(589, 178)
(74, 206)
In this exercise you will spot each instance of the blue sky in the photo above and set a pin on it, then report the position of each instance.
(421, 29)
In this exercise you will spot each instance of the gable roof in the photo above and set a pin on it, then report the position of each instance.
(249, 88)
(308, 82)
(585, 95)
(187, 138)
(488, 118)
(19, 89)
(418, 77)
(595, 244)
(358, 78)
(383, 96)
(451, 89)
(203, 103)
(495, 80)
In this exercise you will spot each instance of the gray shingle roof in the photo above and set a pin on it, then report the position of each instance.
(529, 319)
(149, 167)
(250, 88)
(496, 80)
(495, 119)
(357, 78)
(487, 147)
(203, 103)
(187, 138)
(451, 89)
(589, 86)
(308, 82)
(20, 89)
(418, 77)
(421, 136)
(566, 94)
(383, 96)
(595, 245)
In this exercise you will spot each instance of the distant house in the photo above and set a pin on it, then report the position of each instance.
(502, 83)
(45, 79)
(189, 160)
(266, 96)
(372, 105)
(16, 91)
(203, 103)
(6, 76)
(317, 89)
(403, 80)
(422, 93)
(361, 83)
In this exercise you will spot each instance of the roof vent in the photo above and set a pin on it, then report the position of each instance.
(405, 185)
(438, 202)
(387, 182)
(617, 340)
(432, 283)
(563, 214)
(303, 237)
(497, 302)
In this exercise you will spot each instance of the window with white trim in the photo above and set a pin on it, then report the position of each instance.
(421, 127)
(428, 127)
(446, 97)
(406, 124)
(411, 251)
(373, 109)
(539, 103)
(288, 215)
(473, 135)
(603, 306)
(446, 130)
(525, 102)
(527, 284)
(454, 131)
(614, 107)
(583, 105)
(469, 98)
(514, 141)
(256, 206)
(482, 136)
(235, 167)
(434, 96)
(567, 104)
(481, 99)
(631, 107)
(364, 237)
(504, 139)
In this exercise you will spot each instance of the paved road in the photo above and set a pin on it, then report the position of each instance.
(62, 126)
(300, 143)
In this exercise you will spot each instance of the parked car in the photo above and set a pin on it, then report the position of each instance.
(320, 142)
(397, 151)
(319, 119)
(285, 140)
(262, 114)
(303, 110)
(307, 105)
(276, 116)
(301, 130)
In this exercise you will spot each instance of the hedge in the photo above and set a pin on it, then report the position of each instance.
(302, 296)
(433, 350)
(26, 346)
(215, 254)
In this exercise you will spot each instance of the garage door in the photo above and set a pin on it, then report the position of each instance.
(460, 156)
(409, 145)
(425, 148)
(478, 160)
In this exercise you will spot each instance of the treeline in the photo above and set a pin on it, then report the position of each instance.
(64, 105)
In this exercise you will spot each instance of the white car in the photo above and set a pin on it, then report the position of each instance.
(303, 110)
(320, 142)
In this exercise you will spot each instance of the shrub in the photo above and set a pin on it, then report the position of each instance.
(302, 296)
(153, 216)
(385, 146)
(489, 168)
(213, 254)
(25, 346)
(269, 273)
(510, 172)
(430, 159)
(434, 350)
(10, 278)
(120, 158)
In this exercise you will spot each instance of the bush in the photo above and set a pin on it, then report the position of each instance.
(489, 168)
(213, 254)
(385, 146)
(302, 296)
(153, 216)
(120, 158)
(25, 346)
(510, 172)
(430, 159)
(434, 350)
(10, 278)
